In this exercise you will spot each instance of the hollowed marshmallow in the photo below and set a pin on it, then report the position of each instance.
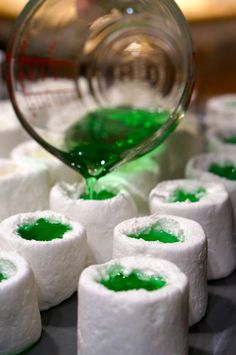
(58, 171)
(213, 211)
(20, 322)
(98, 217)
(56, 264)
(134, 322)
(221, 111)
(189, 253)
(217, 140)
(197, 168)
(23, 187)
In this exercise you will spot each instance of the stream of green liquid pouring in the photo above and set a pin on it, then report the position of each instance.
(101, 139)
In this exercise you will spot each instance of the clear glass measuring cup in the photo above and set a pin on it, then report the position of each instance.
(100, 82)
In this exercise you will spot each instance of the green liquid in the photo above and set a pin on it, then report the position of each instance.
(228, 170)
(118, 281)
(153, 235)
(181, 195)
(101, 139)
(230, 140)
(43, 230)
(101, 195)
(2, 277)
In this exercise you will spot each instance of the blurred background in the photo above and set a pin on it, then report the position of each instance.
(213, 25)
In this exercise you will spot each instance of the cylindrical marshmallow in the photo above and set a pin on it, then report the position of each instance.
(134, 322)
(20, 322)
(57, 263)
(221, 111)
(189, 253)
(98, 217)
(138, 178)
(23, 187)
(213, 211)
(218, 141)
(10, 129)
(58, 171)
(198, 168)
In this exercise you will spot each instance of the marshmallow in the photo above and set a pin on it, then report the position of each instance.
(56, 263)
(138, 178)
(136, 321)
(58, 171)
(189, 253)
(197, 168)
(98, 217)
(222, 141)
(213, 211)
(10, 130)
(221, 111)
(23, 187)
(20, 322)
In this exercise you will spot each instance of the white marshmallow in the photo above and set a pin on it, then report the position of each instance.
(213, 212)
(221, 111)
(134, 322)
(98, 217)
(215, 140)
(23, 187)
(20, 322)
(10, 129)
(190, 254)
(58, 171)
(197, 168)
(138, 178)
(56, 264)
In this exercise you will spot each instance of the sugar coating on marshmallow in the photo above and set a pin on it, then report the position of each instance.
(23, 187)
(20, 322)
(213, 211)
(49, 258)
(58, 171)
(189, 252)
(200, 166)
(99, 217)
(218, 167)
(222, 140)
(136, 310)
(221, 111)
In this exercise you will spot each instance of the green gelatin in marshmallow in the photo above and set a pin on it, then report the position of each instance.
(43, 230)
(2, 277)
(230, 140)
(227, 170)
(118, 280)
(181, 195)
(99, 196)
(156, 234)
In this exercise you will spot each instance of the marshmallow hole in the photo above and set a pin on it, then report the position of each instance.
(118, 279)
(184, 195)
(226, 170)
(7, 269)
(43, 230)
(163, 231)
(99, 196)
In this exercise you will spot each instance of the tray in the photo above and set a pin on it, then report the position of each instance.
(214, 335)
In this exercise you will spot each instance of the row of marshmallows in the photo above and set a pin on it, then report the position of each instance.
(37, 272)
(213, 211)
